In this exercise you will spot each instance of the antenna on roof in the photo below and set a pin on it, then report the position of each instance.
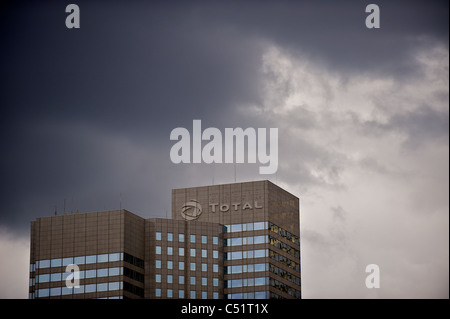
(56, 213)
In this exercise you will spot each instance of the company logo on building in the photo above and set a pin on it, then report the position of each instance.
(191, 210)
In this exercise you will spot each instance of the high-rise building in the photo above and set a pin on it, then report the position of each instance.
(236, 240)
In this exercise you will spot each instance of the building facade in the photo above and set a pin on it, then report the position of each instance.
(236, 240)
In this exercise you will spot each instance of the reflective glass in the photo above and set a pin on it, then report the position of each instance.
(169, 264)
(204, 281)
(67, 261)
(170, 251)
(215, 240)
(113, 286)
(215, 254)
(158, 263)
(180, 293)
(56, 262)
(169, 237)
(44, 263)
(192, 254)
(102, 258)
(158, 235)
(204, 240)
(114, 257)
(43, 292)
(66, 291)
(90, 288)
(169, 293)
(115, 271)
(158, 292)
(181, 238)
(102, 272)
(158, 277)
(79, 290)
(180, 251)
(192, 281)
(91, 273)
(92, 259)
(204, 267)
(192, 238)
(43, 278)
(55, 291)
(204, 295)
(158, 250)
(169, 279)
(181, 265)
(215, 268)
(192, 266)
(102, 287)
(79, 260)
(55, 277)
(181, 280)
(192, 294)
(204, 253)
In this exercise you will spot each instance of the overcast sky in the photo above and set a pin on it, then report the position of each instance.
(362, 114)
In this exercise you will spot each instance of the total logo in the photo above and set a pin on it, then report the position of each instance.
(192, 209)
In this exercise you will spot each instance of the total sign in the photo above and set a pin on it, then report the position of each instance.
(192, 209)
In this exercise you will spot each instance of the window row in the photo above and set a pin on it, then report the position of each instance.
(239, 269)
(63, 291)
(248, 282)
(284, 233)
(246, 227)
(285, 288)
(83, 274)
(181, 266)
(79, 260)
(192, 252)
(257, 253)
(169, 293)
(284, 260)
(285, 274)
(181, 281)
(249, 295)
(238, 241)
(285, 247)
(192, 238)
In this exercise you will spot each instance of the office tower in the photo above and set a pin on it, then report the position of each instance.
(236, 240)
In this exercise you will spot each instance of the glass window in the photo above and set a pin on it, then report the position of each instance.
(79, 260)
(158, 292)
(79, 290)
(192, 238)
(192, 266)
(44, 263)
(158, 278)
(259, 226)
(215, 240)
(235, 228)
(181, 238)
(180, 251)
(261, 281)
(92, 259)
(158, 235)
(204, 267)
(113, 286)
(204, 281)
(43, 278)
(169, 264)
(43, 292)
(169, 237)
(204, 253)
(102, 272)
(102, 287)
(260, 239)
(114, 257)
(102, 258)
(90, 288)
(192, 294)
(66, 291)
(204, 240)
(181, 265)
(215, 282)
(56, 262)
(215, 295)
(114, 271)
(204, 295)
(215, 254)
(169, 293)
(158, 264)
(91, 273)
(180, 293)
(192, 280)
(170, 251)
(55, 277)
(215, 268)
(158, 250)
(67, 261)
(192, 252)
(181, 280)
(169, 279)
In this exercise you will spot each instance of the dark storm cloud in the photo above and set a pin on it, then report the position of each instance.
(136, 70)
